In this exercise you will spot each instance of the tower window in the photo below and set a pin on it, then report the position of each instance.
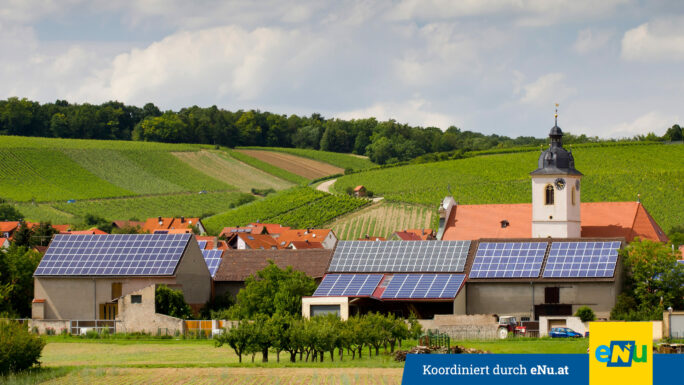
(549, 194)
(573, 196)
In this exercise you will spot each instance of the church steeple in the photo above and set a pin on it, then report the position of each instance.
(556, 160)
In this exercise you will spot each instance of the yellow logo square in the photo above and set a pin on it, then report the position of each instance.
(621, 353)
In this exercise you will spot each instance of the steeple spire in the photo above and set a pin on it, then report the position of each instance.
(556, 116)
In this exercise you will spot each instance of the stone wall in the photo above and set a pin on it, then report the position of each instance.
(459, 327)
(56, 325)
(141, 317)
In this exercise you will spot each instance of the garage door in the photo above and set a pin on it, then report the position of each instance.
(556, 323)
(677, 325)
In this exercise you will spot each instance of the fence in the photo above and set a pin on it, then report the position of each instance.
(78, 327)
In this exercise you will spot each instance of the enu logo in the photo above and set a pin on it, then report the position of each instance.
(621, 354)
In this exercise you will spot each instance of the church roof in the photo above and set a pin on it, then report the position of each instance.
(599, 219)
(556, 160)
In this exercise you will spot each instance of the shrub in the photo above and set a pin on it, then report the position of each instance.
(19, 349)
(171, 302)
(585, 314)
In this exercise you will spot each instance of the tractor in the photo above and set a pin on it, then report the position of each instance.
(509, 324)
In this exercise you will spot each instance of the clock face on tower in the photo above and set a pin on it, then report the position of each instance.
(560, 183)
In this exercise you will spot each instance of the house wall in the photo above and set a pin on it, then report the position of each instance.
(574, 323)
(515, 298)
(343, 302)
(79, 298)
(460, 302)
(193, 276)
(232, 287)
(330, 241)
(142, 317)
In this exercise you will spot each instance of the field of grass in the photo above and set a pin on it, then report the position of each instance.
(263, 209)
(343, 161)
(51, 143)
(269, 168)
(382, 220)
(611, 173)
(184, 204)
(319, 212)
(220, 165)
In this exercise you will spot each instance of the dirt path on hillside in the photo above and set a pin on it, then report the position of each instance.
(325, 186)
(307, 168)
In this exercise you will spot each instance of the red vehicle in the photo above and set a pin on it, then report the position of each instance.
(509, 324)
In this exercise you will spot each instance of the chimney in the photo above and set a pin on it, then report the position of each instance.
(160, 221)
(423, 231)
(182, 219)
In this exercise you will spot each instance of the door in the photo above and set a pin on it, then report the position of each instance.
(109, 311)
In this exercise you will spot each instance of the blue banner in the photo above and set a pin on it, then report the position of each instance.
(527, 369)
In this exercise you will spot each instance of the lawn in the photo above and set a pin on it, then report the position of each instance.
(73, 360)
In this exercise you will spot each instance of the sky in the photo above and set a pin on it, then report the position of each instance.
(614, 66)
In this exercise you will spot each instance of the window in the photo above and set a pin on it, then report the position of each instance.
(324, 309)
(552, 295)
(116, 290)
(549, 194)
(136, 298)
(573, 196)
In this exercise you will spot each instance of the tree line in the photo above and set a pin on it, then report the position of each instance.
(311, 339)
(383, 141)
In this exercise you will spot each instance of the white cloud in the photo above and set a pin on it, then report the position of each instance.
(591, 40)
(650, 122)
(416, 111)
(546, 90)
(661, 40)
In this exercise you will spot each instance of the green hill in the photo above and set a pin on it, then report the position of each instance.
(344, 161)
(611, 173)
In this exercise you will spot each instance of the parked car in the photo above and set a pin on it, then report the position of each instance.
(563, 333)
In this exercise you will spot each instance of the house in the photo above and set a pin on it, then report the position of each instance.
(246, 241)
(254, 228)
(325, 237)
(360, 191)
(237, 265)
(8, 228)
(4, 243)
(547, 258)
(82, 276)
(91, 231)
(298, 245)
(413, 235)
(160, 223)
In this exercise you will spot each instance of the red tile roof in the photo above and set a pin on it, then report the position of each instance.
(311, 235)
(415, 234)
(8, 226)
(237, 265)
(227, 231)
(599, 220)
(211, 241)
(122, 224)
(259, 241)
(271, 228)
(152, 224)
(372, 238)
(3, 240)
(92, 231)
(358, 188)
(305, 245)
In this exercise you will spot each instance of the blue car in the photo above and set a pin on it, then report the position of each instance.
(563, 333)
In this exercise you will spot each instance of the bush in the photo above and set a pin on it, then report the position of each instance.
(19, 349)
(585, 314)
(171, 302)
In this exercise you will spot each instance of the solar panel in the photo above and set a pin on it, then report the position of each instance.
(423, 286)
(400, 256)
(202, 244)
(348, 285)
(115, 254)
(581, 259)
(213, 260)
(508, 260)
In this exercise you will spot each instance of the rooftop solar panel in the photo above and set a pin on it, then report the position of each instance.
(423, 286)
(582, 259)
(213, 260)
(113, 255)
(202, 244)
(400, 256)
(348, 285)
(508, 260)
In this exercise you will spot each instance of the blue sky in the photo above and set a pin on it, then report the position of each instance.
(615, 66)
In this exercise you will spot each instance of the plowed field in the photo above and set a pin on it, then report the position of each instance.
(307, 168)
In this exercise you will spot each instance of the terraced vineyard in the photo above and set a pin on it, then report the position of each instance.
(611, 173)
(343, 161)
(306, 168)
(298, 207)
(382, 220)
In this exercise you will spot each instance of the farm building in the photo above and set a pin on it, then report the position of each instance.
(4, 243)
(360, 191)
(546, 258)
(156, 225)
(237, 265)
(81, 277)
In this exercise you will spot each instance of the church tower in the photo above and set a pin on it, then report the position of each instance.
(556, 191)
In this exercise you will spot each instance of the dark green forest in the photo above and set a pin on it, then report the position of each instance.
(384, 142)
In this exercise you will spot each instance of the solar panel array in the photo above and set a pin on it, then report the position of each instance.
(213, 260)
(417, 286)
(121, 254)
(400, 256)
(348, 285)
(202, 244)
(581, 259)
(508, 260)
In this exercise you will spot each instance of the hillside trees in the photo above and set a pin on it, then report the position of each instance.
(8, 212)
